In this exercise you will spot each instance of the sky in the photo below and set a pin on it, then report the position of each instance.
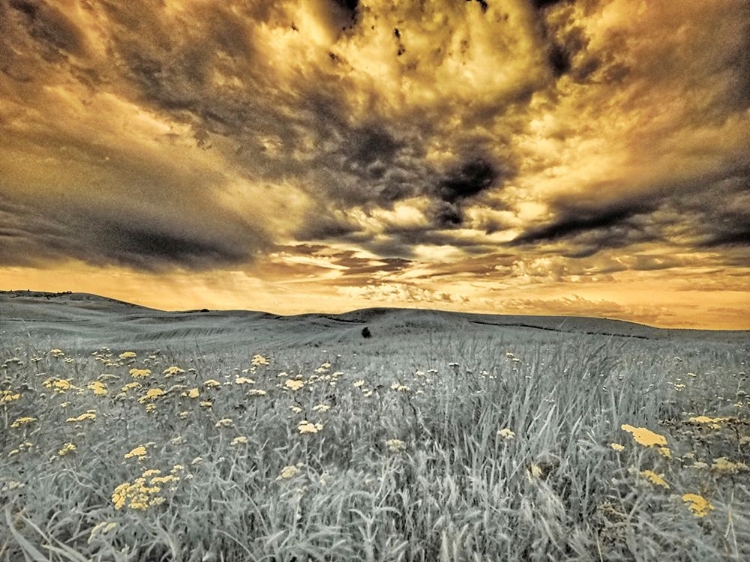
(586, 157)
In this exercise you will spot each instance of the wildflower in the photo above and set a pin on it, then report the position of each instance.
(321, 408)
(288, 472)
(617, 446)
(294, 384)
(197, 460)
(256, 392)
(151, 472)
(161, 480)
(706, 420)
(152, 394)
(506, 434)
(89, 415)
(58, 385)
(723, 465)
(7, 396)
(398, 387)
(193, 393)
(699, 464)
(665, 452)
(396, 445)
(184, 415)
(67, 448)
(226, 422)
(206, 404)
(534, 472)
(645, 436)
(140, 373)
(259, 360)
(307, 427)
(131, 386)
(295, 409)
(172, 371)
(56, 352)
(656, 479)
(359, 383)
(150, 408)
(243, 380)
(13, 452)
(22, 421)
(97, 388)
(239, 440)
(211, 383)
(128, 355)
(679, 387)
(139, 452)
(697, 504)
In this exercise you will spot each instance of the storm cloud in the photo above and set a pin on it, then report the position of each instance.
(202, 136)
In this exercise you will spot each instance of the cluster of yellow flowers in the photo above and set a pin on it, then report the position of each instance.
(142, 492)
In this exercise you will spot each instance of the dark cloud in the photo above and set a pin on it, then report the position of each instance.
(542, 4)
(573, 221)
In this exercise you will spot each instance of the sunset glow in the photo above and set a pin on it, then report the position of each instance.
(586, 157)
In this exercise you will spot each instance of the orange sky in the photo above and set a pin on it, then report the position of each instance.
(525, 156)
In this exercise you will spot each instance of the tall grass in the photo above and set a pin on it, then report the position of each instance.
(408, 466)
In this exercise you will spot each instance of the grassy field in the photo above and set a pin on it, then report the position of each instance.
(452, 449)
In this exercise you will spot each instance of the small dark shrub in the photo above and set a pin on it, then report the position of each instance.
(366, 332)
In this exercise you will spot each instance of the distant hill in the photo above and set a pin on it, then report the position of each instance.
(91, 320)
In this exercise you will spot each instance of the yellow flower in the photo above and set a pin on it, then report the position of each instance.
(7, 396)
(294, 384)
(97, 388)
(723, 465)
(240, 440)
(172, 371)
(617, 446)
(396, 445)
(89, 415)
(22, 421)
(321, 408)
(140, 373)
(67, 448)
(211, 383)
(506, 434)
(256, 392)
(127, 355)
(58, 385)
(288, 472)
(698, 504)
(206, 404)
(360, 383)
(184, 415)
(295, 409)
(259, 360)
(193, 393)
(707, 420)
(656, 479)
(665, 452)
(645, 436)
(307, 427)
(151, 472)
(139, 452)
(243, 380)
(131, 386)
(151, 394)
(226, 422)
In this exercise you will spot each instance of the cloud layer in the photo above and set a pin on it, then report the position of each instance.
(406, 152)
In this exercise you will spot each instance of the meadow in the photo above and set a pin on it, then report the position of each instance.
(452, 447)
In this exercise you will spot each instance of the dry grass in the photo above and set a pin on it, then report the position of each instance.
(458, 451)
